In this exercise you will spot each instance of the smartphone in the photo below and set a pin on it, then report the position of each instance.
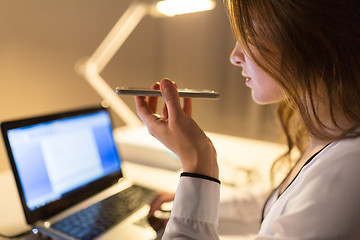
(186, 93)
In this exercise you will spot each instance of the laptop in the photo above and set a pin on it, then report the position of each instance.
(68, 172)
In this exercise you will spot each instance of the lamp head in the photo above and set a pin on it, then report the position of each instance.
(171, 8)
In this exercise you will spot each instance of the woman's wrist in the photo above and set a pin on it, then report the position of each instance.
(199, 157)
(206, 171)
(206, 166)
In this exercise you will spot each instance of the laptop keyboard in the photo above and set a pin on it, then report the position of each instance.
(94, 220)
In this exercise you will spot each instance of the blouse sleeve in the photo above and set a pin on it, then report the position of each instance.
(195, 212)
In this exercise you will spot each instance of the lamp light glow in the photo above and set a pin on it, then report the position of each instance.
(176, 7)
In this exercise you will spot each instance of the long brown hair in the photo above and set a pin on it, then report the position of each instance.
(312, 49)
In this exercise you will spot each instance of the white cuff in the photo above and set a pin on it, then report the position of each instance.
(197, 199)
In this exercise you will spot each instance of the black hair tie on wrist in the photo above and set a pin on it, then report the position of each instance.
(188, 174)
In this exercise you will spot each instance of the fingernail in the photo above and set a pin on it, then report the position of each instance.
(165, 84)
(156, 86)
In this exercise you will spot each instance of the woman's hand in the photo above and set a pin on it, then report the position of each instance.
(158, 223)
(178, 131)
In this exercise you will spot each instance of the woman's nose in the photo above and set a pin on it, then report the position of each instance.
(237, 56)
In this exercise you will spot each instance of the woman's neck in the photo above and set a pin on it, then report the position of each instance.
(316, 143)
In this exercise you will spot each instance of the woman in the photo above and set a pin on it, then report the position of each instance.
(303, 55)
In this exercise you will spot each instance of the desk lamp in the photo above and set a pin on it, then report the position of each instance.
(92, 66)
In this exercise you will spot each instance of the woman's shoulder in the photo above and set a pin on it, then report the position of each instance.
(333, 173)
(345, 151)
(335, 170)
(325, 192)
(348, 146)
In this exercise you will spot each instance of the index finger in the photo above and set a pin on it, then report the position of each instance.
(143, 109)
(171, 97)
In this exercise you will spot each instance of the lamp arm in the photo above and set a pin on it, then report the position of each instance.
(93, 66)
(107, 93)
(118, 34)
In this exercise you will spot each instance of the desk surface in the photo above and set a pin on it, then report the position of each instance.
(233, 152)
(12, 221)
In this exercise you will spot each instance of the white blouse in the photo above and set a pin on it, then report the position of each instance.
(323, 201)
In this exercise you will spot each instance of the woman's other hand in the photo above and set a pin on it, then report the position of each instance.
(158, 216)
(178, 131)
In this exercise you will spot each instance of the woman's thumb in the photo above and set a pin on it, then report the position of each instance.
(171, 96)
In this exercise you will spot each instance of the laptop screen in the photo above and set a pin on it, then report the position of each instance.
(61, 159)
